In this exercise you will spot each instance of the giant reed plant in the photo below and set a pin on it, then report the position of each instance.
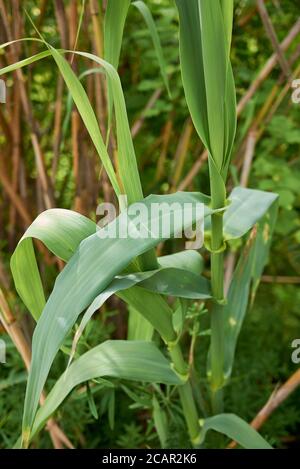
(98, 268)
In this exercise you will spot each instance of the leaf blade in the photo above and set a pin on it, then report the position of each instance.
(235, 428)
(132, 360)
(146, 13)
(80, 281)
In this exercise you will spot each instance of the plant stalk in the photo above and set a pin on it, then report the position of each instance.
(186, 395)
(217, 319)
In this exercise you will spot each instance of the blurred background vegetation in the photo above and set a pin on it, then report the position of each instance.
(47, 160)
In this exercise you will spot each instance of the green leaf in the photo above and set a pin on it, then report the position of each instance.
(205, 35)
(137, 361)
(146, 13)
(178, 283)
(126, 154)
(61, 231)
(127, 160)
(88, 273)
(138, 326)
(114, 22)
(160, 422)
(227, 12)
(235, 428)
(247, 206)
(128, 169)
(261, 250)
(91, 402)
(111, 409)
(187, 260)
(248, 272)
(133, 297)
(169, 281)
(215, 72)
(179, 276)
(192, 67)
(230, 119)
(143, 303)
(81, 100)
(69, 102)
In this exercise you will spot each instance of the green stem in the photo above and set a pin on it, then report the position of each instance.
(217, 258)
(190, 412)
(217, 357)
(217, 312)
(217, 320)
(186, 395)
(217, 401)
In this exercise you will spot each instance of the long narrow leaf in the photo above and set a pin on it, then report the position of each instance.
(61, 231)
(139, 328)
(137, 361)
(205, 34)
(235, 428)
(247, 274)
(247, 206)
(89, 271)
(114, 21)
(81, 100)
(146, 13)
(166, 281)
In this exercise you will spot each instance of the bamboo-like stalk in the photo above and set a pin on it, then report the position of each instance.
(16, 131)
(43, 9)
(166, 135)
(188, 179)
(62, 23)
(48, 197)
(14, 197)
(268, 109)
(57, 131)
(285, 279)
(273, 37)
(101, 110)
(268, 67)
(97, 26)
(137, 125)
(181, 151)
(217, 285)
(279, 395)
(250, 148)
(6, 129)
(281, 96)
